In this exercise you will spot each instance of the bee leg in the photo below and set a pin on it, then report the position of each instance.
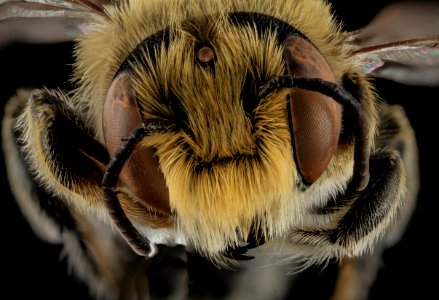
(63, 204)
(396, 132)
(357, 274)
(375, 217)
(359, 218)
(359, 221)
(28, 195)
(49, 216)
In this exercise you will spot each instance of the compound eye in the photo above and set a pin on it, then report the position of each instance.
(316, 118)
(141, 172)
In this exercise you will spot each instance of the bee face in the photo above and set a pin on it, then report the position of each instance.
(208, 128)
(234, 161)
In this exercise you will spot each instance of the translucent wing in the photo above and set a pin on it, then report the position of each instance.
(401, 44)
(46, 21)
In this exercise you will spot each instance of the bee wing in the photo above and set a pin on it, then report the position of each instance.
(46, 21)
(401, 43)
(413, 61)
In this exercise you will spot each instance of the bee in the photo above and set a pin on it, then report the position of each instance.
(208, 133)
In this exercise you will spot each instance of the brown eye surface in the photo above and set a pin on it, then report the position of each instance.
(141, 173)
(316, 118)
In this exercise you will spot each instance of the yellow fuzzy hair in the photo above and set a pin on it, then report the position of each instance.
(216, 206)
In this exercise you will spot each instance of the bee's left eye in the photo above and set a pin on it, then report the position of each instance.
(315, 118)
(141, 173)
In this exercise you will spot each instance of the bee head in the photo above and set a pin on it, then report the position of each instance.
(236, 159)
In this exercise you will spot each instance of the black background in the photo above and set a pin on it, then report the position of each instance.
(34, 269)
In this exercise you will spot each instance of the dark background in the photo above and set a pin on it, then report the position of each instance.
(34, 269)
